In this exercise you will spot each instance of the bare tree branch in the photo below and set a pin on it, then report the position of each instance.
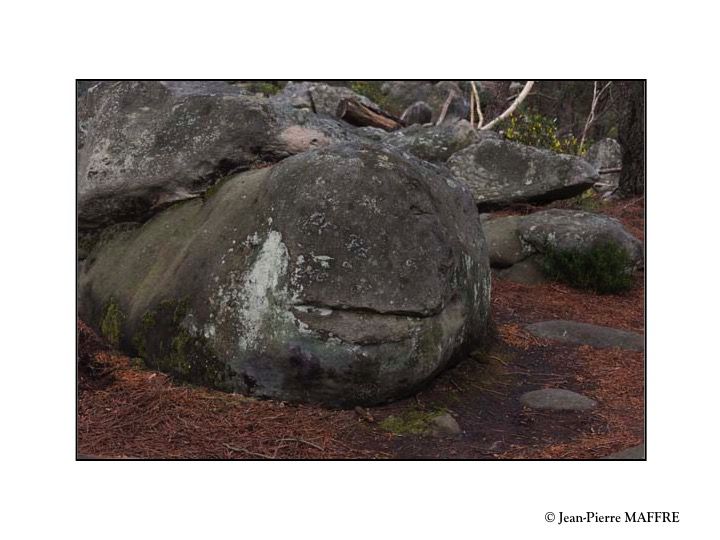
(591, 117)
(477, 104)
(511, 109)
(444, 111)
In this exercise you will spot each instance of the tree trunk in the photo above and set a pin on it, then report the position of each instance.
(631, 136)
(357, 114)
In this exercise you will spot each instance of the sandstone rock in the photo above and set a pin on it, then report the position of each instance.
(588, 334)
(528, 272)
(606, 154)
(402, 94)
(417, 113)
(444, 425)
(345, 275)
(501, 173)
(516, 243)
(321, 98)
(557, 399)
(504, 245)
(145, 144)
(577, 230)
(437, 143)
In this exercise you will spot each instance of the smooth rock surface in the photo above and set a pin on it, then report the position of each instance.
(501, 173)
(528, 272)
(588, 334)
(346, 275)
(557, 399)
(504, 244)
(143, 145)
(444, 425)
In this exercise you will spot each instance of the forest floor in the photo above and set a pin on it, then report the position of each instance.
(127, 411)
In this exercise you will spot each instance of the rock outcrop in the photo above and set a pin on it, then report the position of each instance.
(345, 275)
(501, 173)
(437, 143)
(403, 94)
(579, 333)
(145, 144)
(516, 243)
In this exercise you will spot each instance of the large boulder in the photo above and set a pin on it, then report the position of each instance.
(501, 173)
(437, 143)
(145, 144)
(345, 275)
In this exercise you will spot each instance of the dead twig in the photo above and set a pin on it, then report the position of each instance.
(246, 451)
(303, 441)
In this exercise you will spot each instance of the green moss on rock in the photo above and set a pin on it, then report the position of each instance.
(411, 422)
(164, 343)
(111, 324)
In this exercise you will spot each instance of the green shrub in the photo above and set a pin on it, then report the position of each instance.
(605, 268)
(534, 129)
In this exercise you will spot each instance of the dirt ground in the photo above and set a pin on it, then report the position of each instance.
(126, 411)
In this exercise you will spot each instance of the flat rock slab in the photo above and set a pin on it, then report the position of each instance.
(588, 334)
(635, 452)
(557, 399)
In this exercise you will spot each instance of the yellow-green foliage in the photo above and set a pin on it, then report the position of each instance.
(534, 129)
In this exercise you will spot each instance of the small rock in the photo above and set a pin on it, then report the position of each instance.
(557, 399)
(527, 272)
(588, 334)
(417, 113)
(444, 425)
(504, 245)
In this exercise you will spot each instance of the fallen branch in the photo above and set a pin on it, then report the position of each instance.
(246, 451)
(303, 441)
(357, 114)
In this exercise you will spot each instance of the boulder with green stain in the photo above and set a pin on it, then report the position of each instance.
(346, 275)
